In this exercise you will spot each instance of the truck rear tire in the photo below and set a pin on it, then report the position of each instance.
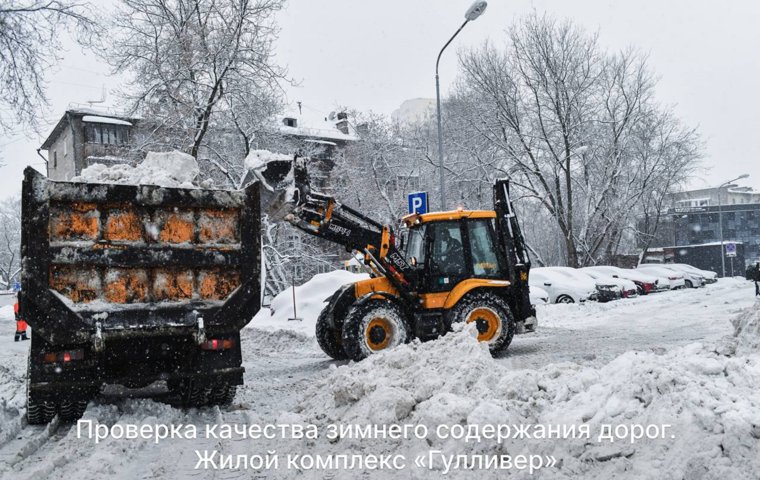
(494, 320)
(222, 394)
(373, 326)
(199, 395)
(330, 340)
(38, 412)
(72, 410)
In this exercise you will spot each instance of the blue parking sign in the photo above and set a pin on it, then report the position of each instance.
(730, 249)
(418, 202)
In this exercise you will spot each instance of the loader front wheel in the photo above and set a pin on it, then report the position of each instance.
(373, 326)
(492, 317)
(329, 339)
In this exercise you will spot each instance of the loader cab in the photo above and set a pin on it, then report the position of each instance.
(449, 247)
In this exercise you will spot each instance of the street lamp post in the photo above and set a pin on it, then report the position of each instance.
(475, 10)
(720, 222)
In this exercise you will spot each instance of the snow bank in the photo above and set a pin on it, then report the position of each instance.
(747, 330)
(310, 300)
(712, 402)
(167, 169)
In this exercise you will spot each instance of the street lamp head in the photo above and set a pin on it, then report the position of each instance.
(475, 10)
(746, 175)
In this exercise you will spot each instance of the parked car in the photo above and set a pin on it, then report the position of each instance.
(645, 284)
(538, 296)
(605, 290)
(627, 287)
(691, 279)
(708, 275)
(674, 279)
(560, 288)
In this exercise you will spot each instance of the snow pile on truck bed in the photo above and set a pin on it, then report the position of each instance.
(167, 169)
(711, 400)
(310, 300)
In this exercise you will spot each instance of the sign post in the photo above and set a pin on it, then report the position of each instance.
(418, 202)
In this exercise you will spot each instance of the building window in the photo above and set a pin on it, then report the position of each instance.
(290, 122)
(404, 183)
(55, 159)
(107, 134)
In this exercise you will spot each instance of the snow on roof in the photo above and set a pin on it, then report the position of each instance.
(313, 123)
(321, 142)
(109, 120)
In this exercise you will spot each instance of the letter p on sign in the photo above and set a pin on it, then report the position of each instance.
(418, 202)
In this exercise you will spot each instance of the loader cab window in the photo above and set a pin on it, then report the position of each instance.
(447, 255)
(415, 245)
(485, 262)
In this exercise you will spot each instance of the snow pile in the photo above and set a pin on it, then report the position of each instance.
(167, 169)
(310, 300)
(259, 158)
(712, 402)
(747, 330)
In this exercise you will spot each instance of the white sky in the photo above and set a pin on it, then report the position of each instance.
(373, 55)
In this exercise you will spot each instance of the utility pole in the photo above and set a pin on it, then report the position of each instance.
(475, 10)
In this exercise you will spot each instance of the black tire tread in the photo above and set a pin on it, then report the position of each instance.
(353, 336)
(329, 340)
(488, 299)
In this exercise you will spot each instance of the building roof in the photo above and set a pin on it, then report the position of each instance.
(312, 123)
(95, 115)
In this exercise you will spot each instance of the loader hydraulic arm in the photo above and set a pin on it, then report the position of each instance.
(287, 195)
(324, 217)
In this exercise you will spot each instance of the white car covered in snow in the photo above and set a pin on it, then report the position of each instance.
(707, 275)
(627, 287)
(538, 296)
(668, 277)
(560, 288)
(691, 279)
(607, 288)
(644, 283)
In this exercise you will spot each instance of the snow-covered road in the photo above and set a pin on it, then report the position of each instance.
(286, 373)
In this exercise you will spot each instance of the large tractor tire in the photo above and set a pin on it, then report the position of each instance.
(373, 326)
(330, 340)
(493, 318)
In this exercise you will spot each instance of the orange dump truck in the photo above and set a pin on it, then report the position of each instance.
(130, 285)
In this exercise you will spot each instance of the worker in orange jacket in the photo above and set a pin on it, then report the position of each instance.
(20, 325)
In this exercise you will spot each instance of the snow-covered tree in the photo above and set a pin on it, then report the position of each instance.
(30, 44)
(565, 121)
(10, 240)
(197, 67)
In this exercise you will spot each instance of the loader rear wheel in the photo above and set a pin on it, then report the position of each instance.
(329, 339)
(373, 326)
(492, 317)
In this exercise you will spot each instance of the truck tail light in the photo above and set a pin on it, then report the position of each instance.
(63, 357)
(218, 344)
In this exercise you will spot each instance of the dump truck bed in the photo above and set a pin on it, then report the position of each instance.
(131, 284)
(136, 258)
